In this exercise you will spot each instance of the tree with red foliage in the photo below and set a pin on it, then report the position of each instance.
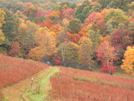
(15, 49)
(95, 18)
(38, 14)
(90, 19)
(121, 39)
(57, 60)
(105, 68)
(68, 13)
(132, 20)
(106, 53)
(47, 3)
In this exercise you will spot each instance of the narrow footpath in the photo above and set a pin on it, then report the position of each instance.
(30, 90)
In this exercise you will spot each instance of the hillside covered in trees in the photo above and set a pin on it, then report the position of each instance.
(78, 34)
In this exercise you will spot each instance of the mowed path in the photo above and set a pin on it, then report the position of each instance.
(26, 90)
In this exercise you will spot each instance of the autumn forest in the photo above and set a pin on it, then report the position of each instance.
(79, 34)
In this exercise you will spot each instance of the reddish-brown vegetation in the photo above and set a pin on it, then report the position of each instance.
(66, 88)
(13, 70)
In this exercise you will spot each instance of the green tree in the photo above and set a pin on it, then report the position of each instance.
(57, 8)
(85, 52)
(73, 5)
(104, 3)
(79, 9)
(131, 7)
(94, 36)
(81, 16)
(109, 28)
(69, 52)
(86, 9)
(117, 16)
(10, 27)
(74, 26)
(96, 8)
(121, 4)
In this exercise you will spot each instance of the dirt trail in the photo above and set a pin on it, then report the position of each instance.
(17, 92)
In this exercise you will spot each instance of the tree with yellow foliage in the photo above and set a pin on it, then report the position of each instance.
(2, 17)
(128, 61)
(46, 44)
(56, 28)
(2, 37)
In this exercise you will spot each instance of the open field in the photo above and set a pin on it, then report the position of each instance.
(77, 85)
(13, 70)
(26, 90)
(60, 83)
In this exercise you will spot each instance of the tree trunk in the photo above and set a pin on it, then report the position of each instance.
(63, 56)
(109, 69)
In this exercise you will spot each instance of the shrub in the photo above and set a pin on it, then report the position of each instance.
(106, 70)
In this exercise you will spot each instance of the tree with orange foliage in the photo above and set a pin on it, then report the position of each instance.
(104, 12)
(83, 32)
(27, 11)
(53, 13)
(72, 37)
(128, 61)
(46, 44)
(107, 38)
(75, 37)
(56, 28)
(47, 23)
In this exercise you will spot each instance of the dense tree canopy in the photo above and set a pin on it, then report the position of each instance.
(74, 34)
(74, 26)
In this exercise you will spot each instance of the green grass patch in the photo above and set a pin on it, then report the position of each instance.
(39, 90)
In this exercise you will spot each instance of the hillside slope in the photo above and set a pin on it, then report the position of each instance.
(67, 84)
(27, 90)
(78, 85)
(13, 70)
